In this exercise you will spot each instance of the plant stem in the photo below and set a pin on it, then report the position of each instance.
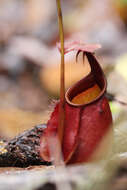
(62, 84)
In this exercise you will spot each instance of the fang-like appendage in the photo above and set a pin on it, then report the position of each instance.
(77, 55)
(84, 55)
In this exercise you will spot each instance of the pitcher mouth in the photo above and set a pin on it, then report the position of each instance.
(82, 85)
(95, 77)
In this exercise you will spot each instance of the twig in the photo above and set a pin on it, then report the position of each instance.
(112, 97)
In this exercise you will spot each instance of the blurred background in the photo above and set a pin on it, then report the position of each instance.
(29, 59)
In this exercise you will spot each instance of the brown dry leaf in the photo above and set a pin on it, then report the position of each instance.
(15, 121)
